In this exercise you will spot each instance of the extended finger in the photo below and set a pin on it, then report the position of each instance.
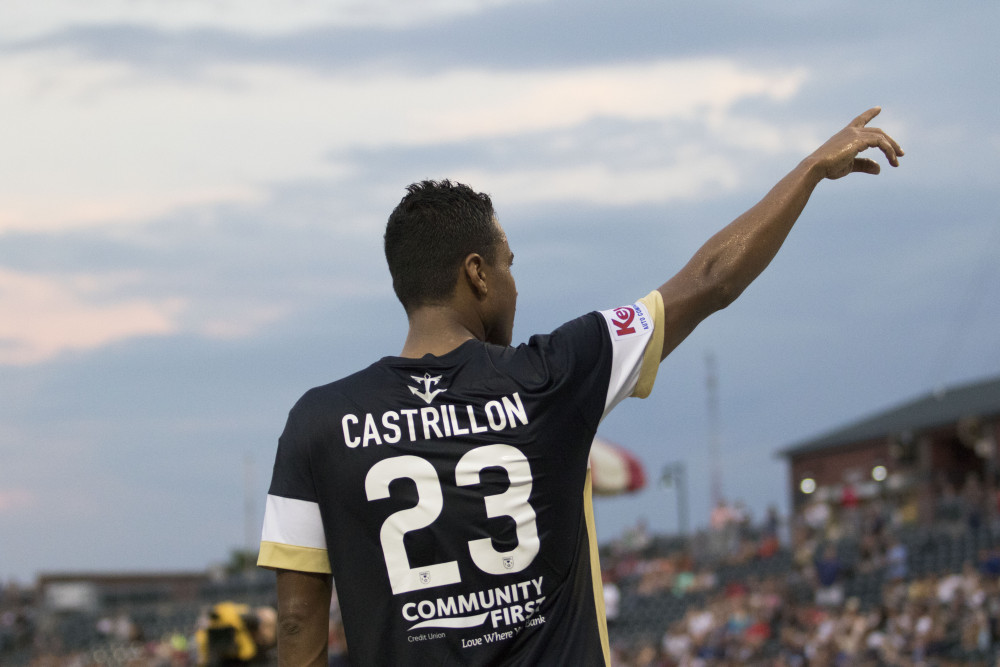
(866, 117)
(881, 141)
(895, 146)
(887, 146)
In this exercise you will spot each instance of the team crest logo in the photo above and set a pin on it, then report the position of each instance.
(425, 577)
(426, 382)
(508, 562)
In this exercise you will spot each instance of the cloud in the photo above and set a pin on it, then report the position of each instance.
(88, 142)
(223, 273)
(598, 184)
(559, 98)
(210, 175)
(13, 500)
(45, 315)
(184, 37)
(29, 18)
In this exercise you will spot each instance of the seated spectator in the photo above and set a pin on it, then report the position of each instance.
(828, 570)
(677, 643)
(683, 582)
(772, 522)
(989, 562)
(897, 561)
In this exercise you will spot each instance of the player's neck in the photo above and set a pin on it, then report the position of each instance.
(438, 330)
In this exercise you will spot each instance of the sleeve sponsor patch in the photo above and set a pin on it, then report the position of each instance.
(629, 320)
(631, 328)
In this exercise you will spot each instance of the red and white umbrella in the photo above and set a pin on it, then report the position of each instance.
(614, 470)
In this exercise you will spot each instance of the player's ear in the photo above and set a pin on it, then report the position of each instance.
(473, 270)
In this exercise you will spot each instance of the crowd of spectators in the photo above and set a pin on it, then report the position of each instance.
(845, 583)
(29, 638)
(160, 634)
(929, 620)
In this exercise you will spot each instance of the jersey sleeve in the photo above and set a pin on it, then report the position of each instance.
(293, 537)
(636, 333)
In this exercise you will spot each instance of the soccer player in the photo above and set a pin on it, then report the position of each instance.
(446, 489)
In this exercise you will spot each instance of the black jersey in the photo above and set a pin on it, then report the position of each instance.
(449, 496)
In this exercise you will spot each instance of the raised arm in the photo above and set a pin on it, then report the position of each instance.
(729, 261)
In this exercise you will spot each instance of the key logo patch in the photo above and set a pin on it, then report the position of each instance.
(623, 320)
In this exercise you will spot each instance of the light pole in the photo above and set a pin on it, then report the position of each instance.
(675, 475)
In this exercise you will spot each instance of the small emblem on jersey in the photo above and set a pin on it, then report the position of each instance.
(623, 319)
(508, 562)
(425, 577)
(426, 382)
(629, 320)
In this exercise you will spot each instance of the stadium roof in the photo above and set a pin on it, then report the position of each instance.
(939, 408)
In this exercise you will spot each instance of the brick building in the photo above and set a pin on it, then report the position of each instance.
(915, 455)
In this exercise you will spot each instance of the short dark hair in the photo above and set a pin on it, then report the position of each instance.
(428, 235)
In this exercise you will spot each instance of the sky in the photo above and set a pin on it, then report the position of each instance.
(193, 194)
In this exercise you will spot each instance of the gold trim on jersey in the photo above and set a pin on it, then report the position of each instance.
(654, 348)
(277, 556)
(595, 568)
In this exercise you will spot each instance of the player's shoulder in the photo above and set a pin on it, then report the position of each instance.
(339, 389)
(565, 347)
(580, 332)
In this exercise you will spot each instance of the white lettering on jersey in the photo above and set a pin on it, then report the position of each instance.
(512, 604)
(433, 422)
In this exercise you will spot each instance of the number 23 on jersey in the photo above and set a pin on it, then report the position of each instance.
(430, 501)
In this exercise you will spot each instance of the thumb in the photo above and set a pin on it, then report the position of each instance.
(866, 166)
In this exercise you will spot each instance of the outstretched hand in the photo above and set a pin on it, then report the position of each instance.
(838, 157)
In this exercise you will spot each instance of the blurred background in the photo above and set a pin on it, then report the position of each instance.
(192, 197)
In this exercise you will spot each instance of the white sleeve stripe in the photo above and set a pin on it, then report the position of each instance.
(630, 328)
(293, 522)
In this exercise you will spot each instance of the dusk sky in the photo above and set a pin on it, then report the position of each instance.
(193, 194)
